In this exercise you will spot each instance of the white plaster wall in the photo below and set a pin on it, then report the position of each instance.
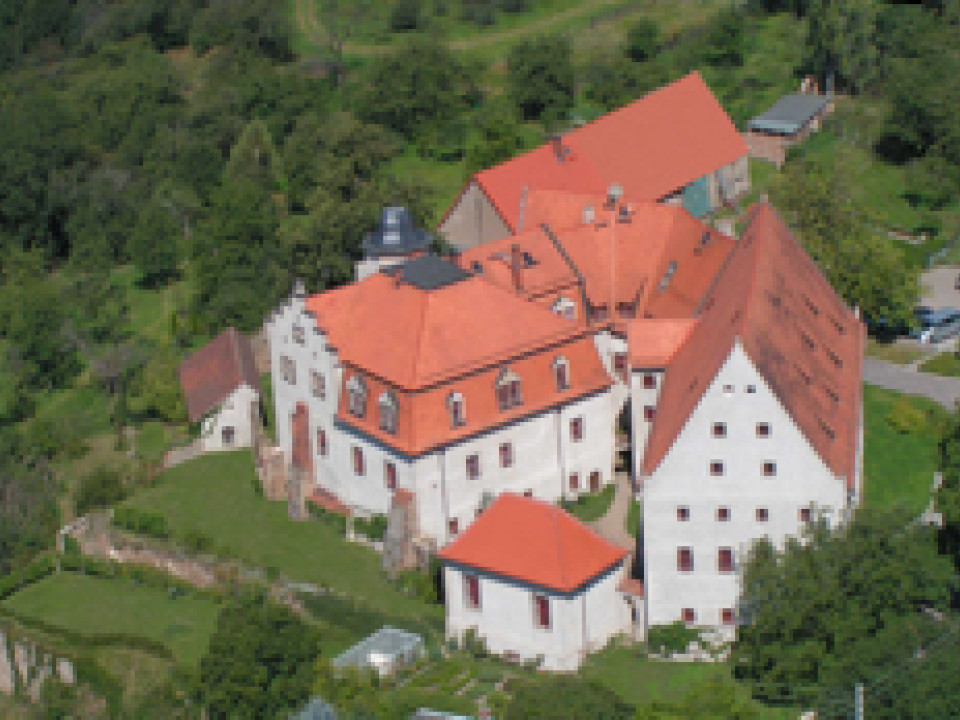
(234, 412)
(543, 458)
(472, 220)
(683, 478)
(368, 493)
(505, 618)
(640, 397)
(370, 266)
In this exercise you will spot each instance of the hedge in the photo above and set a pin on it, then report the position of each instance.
(373, 528)
(38, 569)
(143, 522)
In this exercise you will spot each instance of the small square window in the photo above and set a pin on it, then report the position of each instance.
(619, 362)
(576, 429)
(805, 514)
(728, 389)
(763, 514)
(751, 389)
(723, 514)
(685, 559)
(299, 336)
(688, 615)
(725, 562)
(649, 381)
(683, 513)
(473, 467)
(541, 611)
(719, 430)
(390, 475)
(769, 468)
(763, 430)
(506, 455)
(727, 616)
(716, 468)
(453, 526)
(318, 385)
(574, 481)
(649, 411)
(528, 493)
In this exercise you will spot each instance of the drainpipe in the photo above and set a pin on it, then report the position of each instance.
(443, 493)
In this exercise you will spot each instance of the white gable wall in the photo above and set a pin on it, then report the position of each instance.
(235, 412)
(683, 479)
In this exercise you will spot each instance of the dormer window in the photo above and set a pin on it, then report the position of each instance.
(565, 308)
(509, 390)
(357, 395)
(561, 373)
(387, 405)
(456, 409)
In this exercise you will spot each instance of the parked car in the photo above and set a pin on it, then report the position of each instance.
(934, 326)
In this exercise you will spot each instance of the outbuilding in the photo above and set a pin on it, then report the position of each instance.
(791, 120)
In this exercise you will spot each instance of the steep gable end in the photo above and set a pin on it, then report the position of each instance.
(211, 374)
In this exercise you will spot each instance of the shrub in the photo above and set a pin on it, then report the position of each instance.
(36, 570)
(373, 528)
(668, 640)
(143, 522)
(101, 488)
(905, 417)
(196, 542)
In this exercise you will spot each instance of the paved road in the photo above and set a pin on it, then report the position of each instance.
(945, 391)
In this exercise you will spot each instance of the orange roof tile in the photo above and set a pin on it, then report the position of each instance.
(652, 342)
(804, 341)
(209, 375)
(534, 542)
(651, 148)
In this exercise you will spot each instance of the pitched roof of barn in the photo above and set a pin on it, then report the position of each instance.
(213, 372)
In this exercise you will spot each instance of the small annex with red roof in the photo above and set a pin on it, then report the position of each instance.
(675, 143)
(222, 390)
(533, 581)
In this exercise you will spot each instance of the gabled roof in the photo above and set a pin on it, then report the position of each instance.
(213, 372)
(652, 342)
(534, 542)
(790, 113)
(415, 337)
(805, 343)
(652, 147)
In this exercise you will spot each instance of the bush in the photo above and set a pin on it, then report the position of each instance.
(101, 488)
(905, 417)
(643, 40)
(196, 542)
(36, 570)
(373, 528)
(143, 522)
(668, 640)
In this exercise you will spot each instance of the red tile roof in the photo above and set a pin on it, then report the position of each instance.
(534, 542)
(804, 341)
(328, 501)
(652, 147)
(653, 342)
(213, 372)
(631, 586)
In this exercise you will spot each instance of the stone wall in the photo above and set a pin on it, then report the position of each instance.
(25, 667)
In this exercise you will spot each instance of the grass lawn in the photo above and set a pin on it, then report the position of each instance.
(891, 352)
(947, 364)
(214, 495)
(898, 468)
(85, 604)
(640, 681)
(591, 506)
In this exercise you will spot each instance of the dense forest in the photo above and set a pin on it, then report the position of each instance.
(168, 167)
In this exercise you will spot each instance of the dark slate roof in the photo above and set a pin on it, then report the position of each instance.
(216, 370)
(396, 235)
(789, 114)
(316, 709)
(429, 272)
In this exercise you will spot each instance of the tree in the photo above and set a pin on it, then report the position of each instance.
(725, 38)
(864, 267)
(254, 157)
(540, 77)
(807, 608)
(841, 42)
(643, 40)
(406, 15)
(260, 662)
(947, 497)
(99, 489)
(153, 244)
(497, 138)
(558, 697)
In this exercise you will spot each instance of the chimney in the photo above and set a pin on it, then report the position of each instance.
(556, 141)
(516, 267)
(589, 215)
(623, 214)
(614, 193)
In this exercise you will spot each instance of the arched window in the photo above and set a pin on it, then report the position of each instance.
(509, 390)
(357, 394)
(387, 405)
(456, 409)
(561, 372)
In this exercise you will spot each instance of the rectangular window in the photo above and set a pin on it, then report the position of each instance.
(561, 377)
(458, 416)
(728, 389)
(288, 369)
(805, 514)
(299, 336)
(390, 475)
(619, 362)
(574, 481)
(725, 562)
(649, 381)
(685, 559)
(321, 442)
(716, 468)
(751, 389)
(763, 430)
(541, 611)
(727, 616)
(719, 430)
(627, 310)
(318, 385)
(769, 468)
(453, 526)
(688, 615)
(763, 514)
(228, 434)
(471, 591)
(473, 467)
(506, 455)
(595, 481)
(358, 468)
(649, 411)
(576, 429)
(683, 513)
(723, 514)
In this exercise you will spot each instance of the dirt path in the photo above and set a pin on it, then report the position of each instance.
(308, 23)
(613, 525)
